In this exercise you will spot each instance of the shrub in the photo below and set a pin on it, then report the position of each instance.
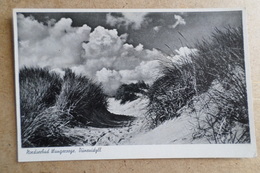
(129, 92)
(38, 91)
(170, 92)
(79, 97)
(48, 128)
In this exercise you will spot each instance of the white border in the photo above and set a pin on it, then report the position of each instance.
(249, 83)
(138, 151)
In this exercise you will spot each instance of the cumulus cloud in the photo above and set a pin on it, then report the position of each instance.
(180, 21)
(103, 42)
(27, 26)
(102, 54)
(147, 71)
(56, 46)
(113, 62)
(106, 49)
(111, 80)
(133, 20)
(185, 51)
(183, 55)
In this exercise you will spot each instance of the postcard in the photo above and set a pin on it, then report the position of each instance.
(97, 84)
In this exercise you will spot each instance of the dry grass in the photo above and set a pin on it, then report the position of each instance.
(219, 60)
(171, 92)
(51, 106)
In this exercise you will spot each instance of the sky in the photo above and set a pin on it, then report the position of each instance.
(114, 48)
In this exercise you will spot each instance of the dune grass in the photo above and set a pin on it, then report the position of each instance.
(79, 96)
(170, 92)
(219, 60)
(51, 105)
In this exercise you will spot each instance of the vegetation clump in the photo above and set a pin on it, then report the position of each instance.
(51, 105)
(131, 92)
(170, 93)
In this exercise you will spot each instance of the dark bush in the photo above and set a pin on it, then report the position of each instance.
(48, 129)
(129, 92)
(79, 97)
(171, 92)
(38, 91)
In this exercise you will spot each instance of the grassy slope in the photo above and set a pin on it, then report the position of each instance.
(50, 106)
(218, 61)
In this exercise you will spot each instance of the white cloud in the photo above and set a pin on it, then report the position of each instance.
(183, 55)
(103, 42)
(114, 62)
(111, 80)
(61, 28)
(55, 46)
(102, 54)
(58, 71)
(106, 49)
(185, 51)
(27, 26)
(147, 71)
(134, 20)
(180, 21)
(139, 47)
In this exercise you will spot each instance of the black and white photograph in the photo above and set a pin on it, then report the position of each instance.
(113, 84)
